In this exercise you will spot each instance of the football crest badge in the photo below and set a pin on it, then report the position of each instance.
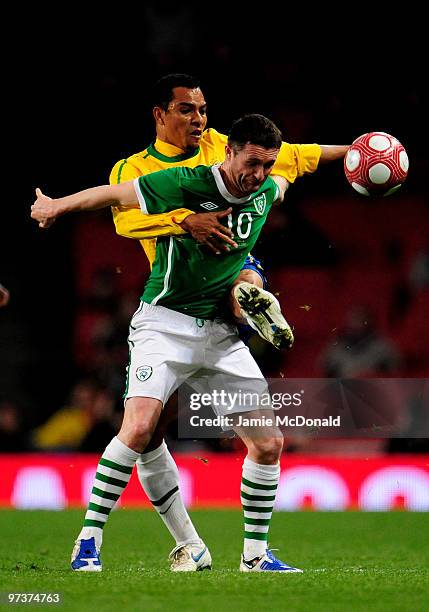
(144, 372)
(260, 202)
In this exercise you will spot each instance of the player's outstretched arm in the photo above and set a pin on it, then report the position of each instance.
(130, 223)
(204, 227)
(332, 152)
(46, 210)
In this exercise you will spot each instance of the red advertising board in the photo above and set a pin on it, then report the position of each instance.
(317, 482)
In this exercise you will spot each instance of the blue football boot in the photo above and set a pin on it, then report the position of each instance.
(86, 557)
(266, 563)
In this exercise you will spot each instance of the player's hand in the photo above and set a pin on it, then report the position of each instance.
(207, 229)
(43, 210)
(4, 296)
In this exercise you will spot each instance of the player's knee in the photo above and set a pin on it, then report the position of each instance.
(250, 276)
(140, 419)
(141, 430)
(268, 450)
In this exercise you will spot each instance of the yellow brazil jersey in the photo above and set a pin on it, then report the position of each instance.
(293, 160)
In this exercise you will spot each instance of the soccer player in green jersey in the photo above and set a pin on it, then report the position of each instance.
(182, 140)
(176, 333)
(180, 114)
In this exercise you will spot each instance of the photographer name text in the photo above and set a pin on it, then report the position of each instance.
(263, 421)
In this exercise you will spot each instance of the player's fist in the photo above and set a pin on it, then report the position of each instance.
(4, 296)
(43, 210)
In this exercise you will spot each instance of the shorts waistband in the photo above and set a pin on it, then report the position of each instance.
(178, 317)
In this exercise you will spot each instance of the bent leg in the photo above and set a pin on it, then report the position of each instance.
(159, 477)
(249, 276)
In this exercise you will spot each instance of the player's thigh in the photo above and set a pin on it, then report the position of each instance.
(227, 354)
(233, 372)
(158, 363)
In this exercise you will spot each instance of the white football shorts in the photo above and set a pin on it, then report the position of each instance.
(168, 348)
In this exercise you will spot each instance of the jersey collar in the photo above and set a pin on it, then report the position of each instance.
(224, 191)
(169, 153)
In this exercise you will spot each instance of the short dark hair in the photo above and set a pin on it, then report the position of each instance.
(254, 129)
(162, 92)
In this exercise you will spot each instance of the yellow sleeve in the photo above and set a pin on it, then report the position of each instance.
(131, 223)
(296, 159)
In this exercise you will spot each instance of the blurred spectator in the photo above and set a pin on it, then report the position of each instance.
(408, 314)
(95, 315)
(104, 291)
(105, 423)
(411, 283)
(110, 351)
(419, 273)
(13, 438)
(411, 440)
(67, 428)
(4, 296)
(359, 349)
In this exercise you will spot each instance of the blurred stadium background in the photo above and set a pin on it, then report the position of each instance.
(352, 274)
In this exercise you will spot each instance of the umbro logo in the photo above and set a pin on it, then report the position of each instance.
(209, 205)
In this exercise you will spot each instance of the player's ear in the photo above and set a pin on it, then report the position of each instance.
(158, 114)
(228, 152)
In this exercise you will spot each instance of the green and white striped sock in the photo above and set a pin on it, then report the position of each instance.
(258, 494)
(113, 473)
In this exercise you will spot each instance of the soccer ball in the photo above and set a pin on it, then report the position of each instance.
(376, 164)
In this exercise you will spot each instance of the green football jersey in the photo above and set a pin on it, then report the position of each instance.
(185, 275)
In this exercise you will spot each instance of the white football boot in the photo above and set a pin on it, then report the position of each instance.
(190, 558)
(262, 312)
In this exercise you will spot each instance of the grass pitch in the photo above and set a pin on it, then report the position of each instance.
(352, 561)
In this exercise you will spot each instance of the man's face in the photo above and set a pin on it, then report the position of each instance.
(182, 124)
(250, 166)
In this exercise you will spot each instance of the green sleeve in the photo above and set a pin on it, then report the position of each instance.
(159, 192)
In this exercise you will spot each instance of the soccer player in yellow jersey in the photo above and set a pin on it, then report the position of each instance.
(163, 343)
(180, 114)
